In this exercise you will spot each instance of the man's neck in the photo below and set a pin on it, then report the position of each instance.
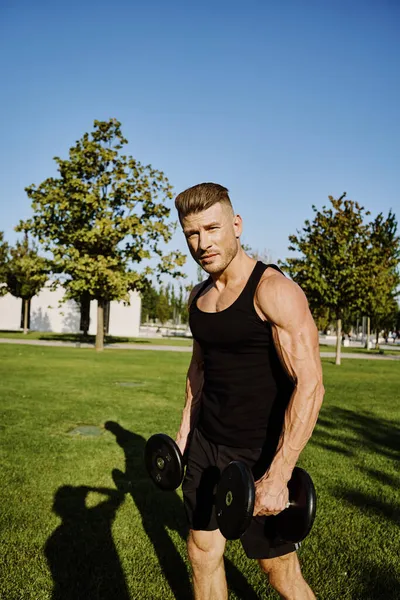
(238, 270)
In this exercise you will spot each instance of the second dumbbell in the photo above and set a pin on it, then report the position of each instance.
(164, 462)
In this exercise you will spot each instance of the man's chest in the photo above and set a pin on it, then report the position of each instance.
(213, 301)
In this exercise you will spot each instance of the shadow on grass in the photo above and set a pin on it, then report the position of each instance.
(161, 511)
(343, 430)
(81, 554)
(348, 432)
(369, 504)
(378, 583)
(381, 477)
(77, 338)
(84, 339)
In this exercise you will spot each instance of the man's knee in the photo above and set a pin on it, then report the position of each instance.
(286, 566)
(205, 548)
(285, 576)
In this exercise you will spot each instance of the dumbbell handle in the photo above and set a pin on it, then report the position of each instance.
(289, 504)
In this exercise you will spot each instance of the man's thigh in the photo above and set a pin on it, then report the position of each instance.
(199, 484)
(261, 541)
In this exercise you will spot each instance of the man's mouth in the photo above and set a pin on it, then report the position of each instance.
(208, 256)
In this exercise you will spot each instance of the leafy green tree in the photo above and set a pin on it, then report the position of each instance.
(174, 307)
(383, 271)
(149, 297)
(201, 275)
(331, 268)
(27, 273)
(102, 215)
(84, 306)
(386, 323)
(263, 255)
(182, 303)
(163, 307)
(168, 296)
(321, 317)
(396, 320)
(4, 248)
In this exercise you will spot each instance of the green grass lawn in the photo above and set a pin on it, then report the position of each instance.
(67, 532)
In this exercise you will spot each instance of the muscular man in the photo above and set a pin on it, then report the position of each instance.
(253, 392)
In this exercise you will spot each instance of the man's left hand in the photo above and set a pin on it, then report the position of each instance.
(272, 496)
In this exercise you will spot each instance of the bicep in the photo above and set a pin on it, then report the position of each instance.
(294, 331)
(298, 350)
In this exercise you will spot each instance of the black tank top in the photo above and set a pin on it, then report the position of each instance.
(246, 390)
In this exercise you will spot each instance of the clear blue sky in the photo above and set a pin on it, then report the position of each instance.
(284, 102)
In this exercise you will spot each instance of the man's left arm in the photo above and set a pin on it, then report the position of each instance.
(296, 339)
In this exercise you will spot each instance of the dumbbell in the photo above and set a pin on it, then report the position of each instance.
(235, 499)
(164, 461)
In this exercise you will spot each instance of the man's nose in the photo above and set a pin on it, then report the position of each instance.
(204, 240)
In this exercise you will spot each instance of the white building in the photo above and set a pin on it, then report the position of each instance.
(48, 313)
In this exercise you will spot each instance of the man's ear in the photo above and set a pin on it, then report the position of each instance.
(238, 226)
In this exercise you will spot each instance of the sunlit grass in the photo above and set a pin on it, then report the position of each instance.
(80, 519)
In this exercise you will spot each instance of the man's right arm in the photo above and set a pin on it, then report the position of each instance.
(194, 387)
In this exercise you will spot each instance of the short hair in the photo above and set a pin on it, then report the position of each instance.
(200, 197)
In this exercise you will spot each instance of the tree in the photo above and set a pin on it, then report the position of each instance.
(174, 308)
(27, 273)
(322, 317)
(396, 320)
(149, 303)
(183, 303)
(332, 268)
(163, 307)
(264, 255)
(387, 323)
(201, 275)
(104, 213)
(3, 264)
(384, 277)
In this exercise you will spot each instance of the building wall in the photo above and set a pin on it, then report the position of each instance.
(124, 320)
(49, 314)
(10, 312)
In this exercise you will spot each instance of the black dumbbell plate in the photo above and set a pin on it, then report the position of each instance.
(163, 461)
(234, 503)
(295, 523)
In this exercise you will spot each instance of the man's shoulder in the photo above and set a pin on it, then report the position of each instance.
(272, 280)
(278, 296)
(195, 290)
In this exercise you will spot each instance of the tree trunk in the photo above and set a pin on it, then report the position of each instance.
(338, 340)
(26, 313)
(377, 339)
(100, 326)
(368, 331)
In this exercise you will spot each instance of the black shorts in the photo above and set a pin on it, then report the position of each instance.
(205, 463)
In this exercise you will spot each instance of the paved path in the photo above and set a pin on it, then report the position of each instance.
(360, 355)
(145, 346)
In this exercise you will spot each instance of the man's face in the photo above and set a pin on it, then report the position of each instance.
(212, 237)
